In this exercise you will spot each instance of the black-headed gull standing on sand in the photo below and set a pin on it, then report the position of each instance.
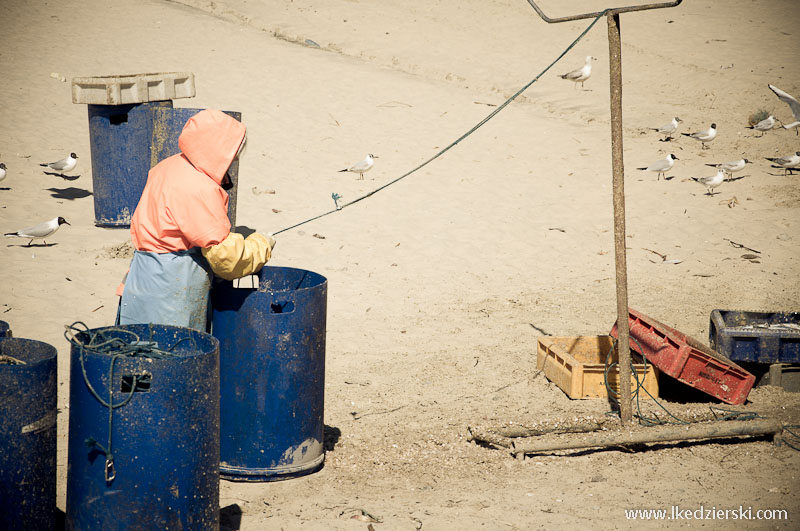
(788, 163)
(731, 167)
(668, 129)
(764, 125)
(661, 166)
(63, 165)
(704, 136)
(711, 182)
(362, 166)
(581, 74)
(41, 231)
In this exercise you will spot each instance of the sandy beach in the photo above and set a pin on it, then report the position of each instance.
(440, 285)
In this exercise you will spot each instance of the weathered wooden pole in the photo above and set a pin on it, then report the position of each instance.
(618, 187)
(618, 184)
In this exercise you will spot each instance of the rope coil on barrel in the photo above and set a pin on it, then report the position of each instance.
(103, 342)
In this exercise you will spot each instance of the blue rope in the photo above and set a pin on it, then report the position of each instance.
(719, 413)
(459, 139)
(794, 437)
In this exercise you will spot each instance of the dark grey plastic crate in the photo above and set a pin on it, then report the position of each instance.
(759, 337)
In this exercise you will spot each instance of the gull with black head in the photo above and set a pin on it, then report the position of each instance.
(40, 231)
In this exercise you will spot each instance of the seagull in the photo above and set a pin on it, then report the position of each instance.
(63, 165)
(668, 129)
(764, 125)
(363, 166)
(731, 167)
(581, 74)
(41, 231)
(3, 171)
(661, 166)
(794, 105)
(788, 163)
(704, 136)
(711, 182)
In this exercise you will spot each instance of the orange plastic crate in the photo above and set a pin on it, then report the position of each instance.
(577, 366)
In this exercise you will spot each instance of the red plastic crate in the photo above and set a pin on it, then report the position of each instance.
(685, 359)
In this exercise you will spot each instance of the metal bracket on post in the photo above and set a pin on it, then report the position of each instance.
(618, 180)
(610, 10)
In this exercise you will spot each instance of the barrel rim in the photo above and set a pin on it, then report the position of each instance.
(51, 354)
(209, 345)
(239, 473)
(323, 283)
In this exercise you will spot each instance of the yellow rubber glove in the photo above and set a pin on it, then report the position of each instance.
(235, 256)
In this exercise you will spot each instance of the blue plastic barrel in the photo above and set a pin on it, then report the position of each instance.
(28, 387)
(5, 330)
(120, 138)
(164, 449)
(168, 124)
(272, 374)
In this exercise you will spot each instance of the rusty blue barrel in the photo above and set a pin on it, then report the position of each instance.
(272, 373)
(5, 330)
(28, 387)
(143, 448)
(126, 141)
(120, 138)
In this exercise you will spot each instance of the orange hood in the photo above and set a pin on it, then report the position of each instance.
(183, 205)
(210, 140)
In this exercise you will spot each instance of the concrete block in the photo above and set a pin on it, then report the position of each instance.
(136, 88)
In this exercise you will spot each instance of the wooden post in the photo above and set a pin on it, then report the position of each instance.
(618, 185)
(615, 74)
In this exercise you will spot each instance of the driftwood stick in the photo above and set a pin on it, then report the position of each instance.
(580, 426)
(500, 435)
(670, 433)
(489, 438)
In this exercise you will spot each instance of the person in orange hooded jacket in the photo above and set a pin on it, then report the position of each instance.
(181, 231)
